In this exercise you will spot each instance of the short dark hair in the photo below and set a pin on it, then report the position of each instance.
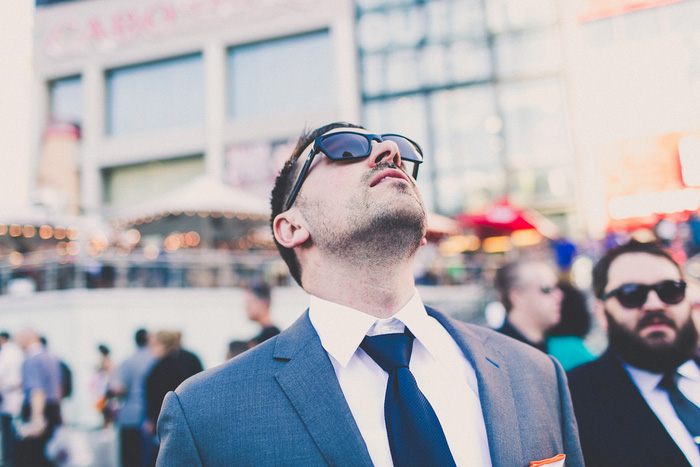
(141, 337)
(505, 280)
(600, 271)
(575, 316)
(283, 186)
(260, 289)
(5, 335)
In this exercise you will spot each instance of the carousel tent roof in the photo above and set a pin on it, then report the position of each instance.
(203, 194)
(38, 215)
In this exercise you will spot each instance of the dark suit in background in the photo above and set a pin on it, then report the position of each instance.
(617, 426)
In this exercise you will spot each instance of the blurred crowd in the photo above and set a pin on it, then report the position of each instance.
(128, 394)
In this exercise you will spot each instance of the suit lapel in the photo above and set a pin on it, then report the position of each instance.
(310, 383)
(498, 406)
(626, 404)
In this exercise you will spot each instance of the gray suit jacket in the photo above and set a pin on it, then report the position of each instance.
(280, 404)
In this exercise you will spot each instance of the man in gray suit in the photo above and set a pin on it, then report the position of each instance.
(348, 219)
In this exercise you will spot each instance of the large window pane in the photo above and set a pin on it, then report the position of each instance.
(282, 77)
(156, 96)
(133, 184)
(465, 135)
(528, 54)
(509, 15)
(67, 99)
(535, 124)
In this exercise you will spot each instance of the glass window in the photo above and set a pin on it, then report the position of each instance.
(469, 61)
(67, 99)
(464, 134)
(527, 54)
(402, 70)
(282, 77)
(134, 184)
(535, 124)
(373, 74)
(372, 31)
(508, 15)
(156, 96)
(465, 190)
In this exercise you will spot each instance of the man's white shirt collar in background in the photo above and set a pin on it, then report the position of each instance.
(658, 401)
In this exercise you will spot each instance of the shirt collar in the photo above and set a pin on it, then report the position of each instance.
(647, 380)
(341, 328)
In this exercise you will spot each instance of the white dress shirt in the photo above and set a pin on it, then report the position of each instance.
(658, 401)
(442, 372)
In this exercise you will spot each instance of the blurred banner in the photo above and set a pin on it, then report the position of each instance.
(58, 182)
(652, 177)
(592, 10)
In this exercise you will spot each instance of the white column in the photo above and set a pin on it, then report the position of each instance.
(215, 78)
(93, 132)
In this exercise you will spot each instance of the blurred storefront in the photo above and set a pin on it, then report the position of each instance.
(582, 111)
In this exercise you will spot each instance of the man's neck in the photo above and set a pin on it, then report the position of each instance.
(523, 324)
(377, 291)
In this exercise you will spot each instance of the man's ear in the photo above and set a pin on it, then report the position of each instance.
(599, 312)
(288, 229)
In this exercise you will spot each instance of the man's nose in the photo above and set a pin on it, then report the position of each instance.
(653, 302)
(384, 151)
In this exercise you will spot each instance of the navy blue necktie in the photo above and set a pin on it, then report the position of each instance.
(688, 412)
(415, 435)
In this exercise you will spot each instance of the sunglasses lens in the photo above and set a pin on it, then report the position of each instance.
(407, 148)
(671, 292)
(632, 295)
(345, 145)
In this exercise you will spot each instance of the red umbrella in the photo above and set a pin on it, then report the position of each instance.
(502, 218)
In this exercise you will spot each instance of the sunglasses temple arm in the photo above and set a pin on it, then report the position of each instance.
(300, 179)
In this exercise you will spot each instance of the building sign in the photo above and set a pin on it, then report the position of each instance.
(107, 29)
(253, 167)
(651, 178)
(592, 10)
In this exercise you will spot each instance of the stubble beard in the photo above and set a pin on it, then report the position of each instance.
(653, 355)
(372, 234)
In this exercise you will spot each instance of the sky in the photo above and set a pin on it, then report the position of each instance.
(16, 18)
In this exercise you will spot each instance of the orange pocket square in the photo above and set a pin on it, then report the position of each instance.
(556, 461)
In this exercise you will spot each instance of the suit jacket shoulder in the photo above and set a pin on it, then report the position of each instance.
(280, 404)
(520, 388)
(276, 404)
(616, 425)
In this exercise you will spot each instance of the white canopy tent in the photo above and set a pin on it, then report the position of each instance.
(204, 194)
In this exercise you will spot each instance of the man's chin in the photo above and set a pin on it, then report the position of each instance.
(658, 335)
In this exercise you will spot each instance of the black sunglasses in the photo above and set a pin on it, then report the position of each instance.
(635, 295)
(351, 145)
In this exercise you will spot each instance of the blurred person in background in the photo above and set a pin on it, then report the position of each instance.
(41, 411)
(532, 299)
(637, 404)
(566, 339)
(99, 386)
(172, 367)
(129, 385)
(11, 358)
(11, 395)
(257, 305)
(236, 348)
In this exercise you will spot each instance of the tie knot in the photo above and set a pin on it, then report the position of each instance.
(390, 351)
(669, 381)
